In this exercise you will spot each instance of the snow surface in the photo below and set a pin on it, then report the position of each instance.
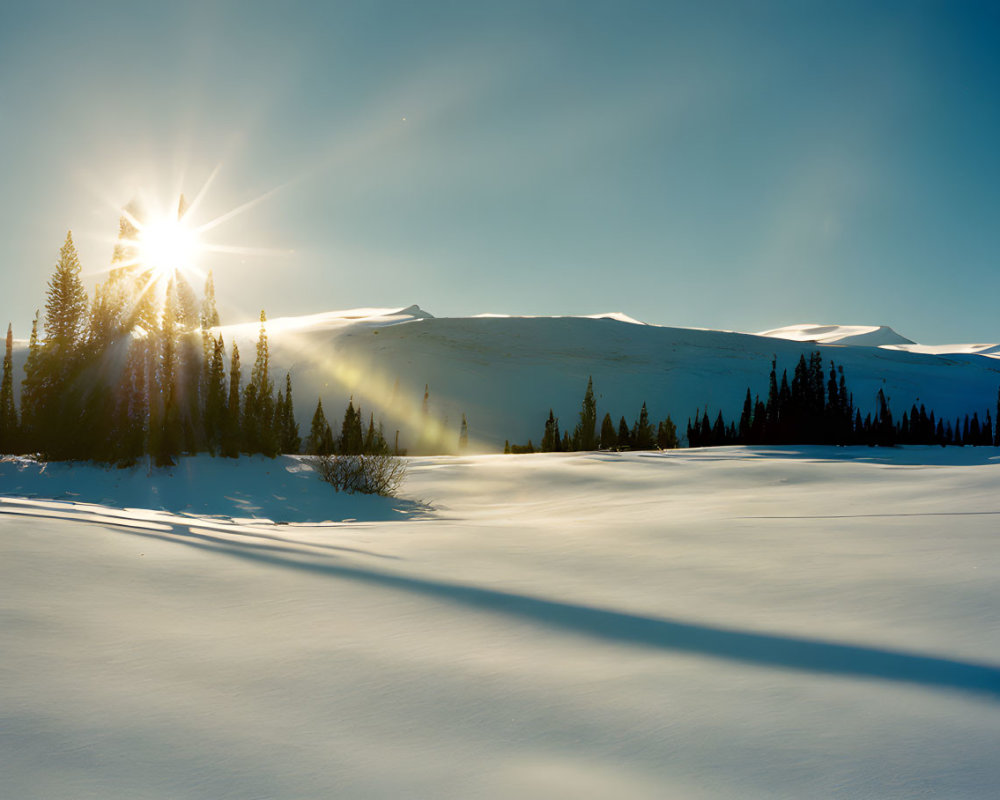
(718, 623)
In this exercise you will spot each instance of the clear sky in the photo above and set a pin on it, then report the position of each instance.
(737, 165)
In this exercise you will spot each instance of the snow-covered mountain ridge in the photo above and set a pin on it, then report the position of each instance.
(505, 372)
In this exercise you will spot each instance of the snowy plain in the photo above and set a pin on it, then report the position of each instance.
(718, 623)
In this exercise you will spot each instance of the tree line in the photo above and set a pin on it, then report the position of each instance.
(813, 408)
(641, 435)
(818, 408)
(138, 371)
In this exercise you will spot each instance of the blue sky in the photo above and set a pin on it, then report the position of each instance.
(742, 166)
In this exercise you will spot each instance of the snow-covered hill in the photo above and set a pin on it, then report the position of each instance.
(504, 372)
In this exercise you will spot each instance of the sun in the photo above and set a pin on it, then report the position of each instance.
(167, 246)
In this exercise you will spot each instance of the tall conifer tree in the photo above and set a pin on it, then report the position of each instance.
(8, 411)
(232, 424)
(584, 434)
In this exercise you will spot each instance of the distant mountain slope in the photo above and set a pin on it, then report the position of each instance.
(505, 373)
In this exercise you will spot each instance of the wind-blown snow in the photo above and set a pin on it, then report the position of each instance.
(708, 623)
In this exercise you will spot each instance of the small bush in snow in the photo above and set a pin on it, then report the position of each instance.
(367, 473)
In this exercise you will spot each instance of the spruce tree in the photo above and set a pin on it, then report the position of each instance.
(31, 390)
(463, 436)
(258, 401)
(290, 440)
(66, 302)
(746, 419)
(351, 436)
(550, 438)
(609, 439)
(643, 437)
(624, 437)
(215, 396)
(232, 436)
(168, 435)
(584, 434)
(8, 411)
(666, 434)
(209, 317)
(320, 439)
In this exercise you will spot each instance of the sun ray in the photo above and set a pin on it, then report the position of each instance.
(237, 250)
(193, 206)
(237, 211)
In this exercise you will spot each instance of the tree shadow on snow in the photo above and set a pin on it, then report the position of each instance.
(283, 489)
(616, 627)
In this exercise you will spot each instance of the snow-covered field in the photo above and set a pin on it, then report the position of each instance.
(700, 624)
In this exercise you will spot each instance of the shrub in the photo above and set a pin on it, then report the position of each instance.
(367, 473)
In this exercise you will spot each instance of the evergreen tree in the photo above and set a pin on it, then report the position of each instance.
(351, 436)
(320, 439)
(8, 411)
(209, 317)
(624, 437)
(666, 434)
(215, 396)
(463, 436)
(746, 419)
(771, 418)
(643, 437)
(996, 435)
(551, 441)
(609, 439)
(290, 440)
(31, 390)
(168, 438)
(232, 436)
(718, 431)
(259, 431)
(583, 435)
(370, 440)
(66, 303)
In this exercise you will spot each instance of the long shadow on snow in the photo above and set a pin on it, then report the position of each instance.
(197, 529)
(759, 649)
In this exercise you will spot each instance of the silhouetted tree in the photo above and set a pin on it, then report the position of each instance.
(583, 435)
